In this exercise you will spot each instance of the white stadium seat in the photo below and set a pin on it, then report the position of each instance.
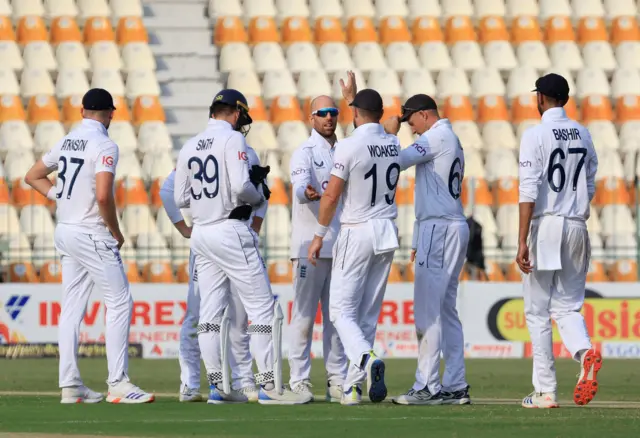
(72, 55)
(453, 81)
(533, 54)
(36, 220)
(337, 90)
(599, 54)
(291, 135)
(10, 57)
(500, 55)
(520, 8)
(402, 57)
(566, 54)
(39, 55)
(8, 82)
(499, 134)
(60, 8)
(501, 163)
(94, 8)
(628, 54)
(554, 8)
(123, 134)
(154, 136)
(291, 8)
(278, 83)
(335, 57)
(368, 57)
(417, 82)
(587, 8)
(245, 80)
(151, 247)
(424, 8)
(235, 56)
(44, 249)
(15, 135)
(302, 57)
(620, 8)
(157, 165)
(126, 8)
(105, 54)
(224, 8)
(391, 8)
(138, 56)
(385, 82)
(604, 135)
(616, 219)
(259, 8)
(262, 136)
(34, 82)
(24, 8)
(71, 83)
(485, 82)
(9, 222)
(46, 135)
(625, 81)
(507, 220)
(434, 56)
(453, 8)
(490, 8)
(5, 8)
(469, 134)
(110, 80)
(312, 83)
(137, 219)
(129, 167)
(268, 57)
(142, 83)
(325, 8)
(358, 8)
(467, 55)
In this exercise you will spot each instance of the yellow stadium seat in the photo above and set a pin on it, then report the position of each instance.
(458, 29)
(51, 272)
(525, 29)
(394, 30)
(158, 272)
(296, 30)
(11, 108)
(131, 30)
(98, 29)
(263, 30)
(492, 108)
(493, 28)
(329, 30)
(147, 109)
(426, 29)
(43, 108)
(280, 272)
(624, 29)
(31, 29)
(624, 271)
(22, 272)
(65, 29)
(230, 30)
(361, 30)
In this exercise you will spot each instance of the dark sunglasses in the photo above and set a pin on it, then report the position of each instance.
(322, 112)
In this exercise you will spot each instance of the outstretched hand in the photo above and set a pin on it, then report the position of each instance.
(349, 89)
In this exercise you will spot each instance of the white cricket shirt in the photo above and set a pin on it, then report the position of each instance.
(311, 163)
(558, 165)
(212, 174)
(78, 157)
(369, 163)
(439, 160)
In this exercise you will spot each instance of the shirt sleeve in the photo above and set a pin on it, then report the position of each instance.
(592, 168)
(237, 162)
(531, 166)
(107, 159)
(254, 160)
(342, 161)
(300, 167)
(168, 202)
(50, 159)
(182, 183)
(419, 152)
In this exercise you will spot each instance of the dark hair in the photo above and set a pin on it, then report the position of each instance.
(374, 116)
(221, 109)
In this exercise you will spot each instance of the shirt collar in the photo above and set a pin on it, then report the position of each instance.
(441, 122)
(94, 124)
(554, 114)
(319, 140)
(368, 128)
(220, 124)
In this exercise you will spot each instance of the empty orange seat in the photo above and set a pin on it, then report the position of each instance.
(263, 30)
(611, 190)
(230, 30)
(51, 272)
(458, 29)
(256, 109)
(409, 272)
(425, 29)
(65, 29)
(131, 191)
(43, 108)
(6, 30)
(492, 108)
(121, 114)
(31, 29)
(480, 189)
(458, 108)
(280, 272)
(624, 270)
(361, 30)
(22, 272)
(329, 30)
(392, 107)
(523, 108)
(131, 269)
(464, 274)
(98, 29)
(513, 272)
(71, 108)
(158, 272)
(596, 108)
(131, 30)
(394, 30)
(592, 29)
(284, 109)
(296, 30)
(183, 273)
(525, 28)
(559, 29)
(23, 195)
(628, 108)
(493, 28)
(4, 192)
(493, 271)
(507, 191)
(278, 192)
(395, 275)
(346, 113)
(147, 109)
(597, 273)
(624, 29)
(571, 108)
(11, 108)
(156, 200)
(405, 191)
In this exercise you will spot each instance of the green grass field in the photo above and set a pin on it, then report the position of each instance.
(29, 403)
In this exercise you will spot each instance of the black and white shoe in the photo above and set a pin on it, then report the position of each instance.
(421, 397)
(460, 397)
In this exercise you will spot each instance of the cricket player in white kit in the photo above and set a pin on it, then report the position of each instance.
(440, 240)
(365, 174)
(558, 164)
(88, 238)
(311, 166)
(189, 354)
(213, 178)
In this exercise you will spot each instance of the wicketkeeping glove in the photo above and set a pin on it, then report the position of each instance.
(258, 174)
(265, 190)
(241, 213)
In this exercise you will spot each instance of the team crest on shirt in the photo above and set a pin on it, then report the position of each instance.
(303, 271)
(319, 165)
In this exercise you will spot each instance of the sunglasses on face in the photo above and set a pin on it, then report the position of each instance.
(322, 112)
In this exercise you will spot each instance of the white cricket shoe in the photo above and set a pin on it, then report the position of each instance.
(190, 394)
(334, 393)
(287, 397)
(80, 394)
(375, 378)
(587, 386)
(303, 387)
(218, 397)
(541, 400)
(352, 396)
(251, 392)
(128, 393)
(421, 397)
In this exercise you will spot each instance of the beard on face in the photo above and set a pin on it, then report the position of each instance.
(325, 129)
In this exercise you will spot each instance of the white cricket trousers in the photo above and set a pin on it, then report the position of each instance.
(558, 295)
(358, 282)
(311, 284)
(441, 251)
(189, 354)
(226, 255)
(88, 260)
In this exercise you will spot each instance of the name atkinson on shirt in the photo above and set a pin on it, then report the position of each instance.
(389, 150)
(75, 145)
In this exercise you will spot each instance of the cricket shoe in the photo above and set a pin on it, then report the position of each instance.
(303, 387)
(128, 393)
(375, 368)
(587, 385)
(334, 393)
(459, 397)
(189, 394)
(285, 397)
(251, 392)
(540, 400)
(420, 397)
(219, 397)
(352, 396)
(80, 394)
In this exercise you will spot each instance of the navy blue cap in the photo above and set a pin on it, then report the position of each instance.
(98, 99)
(236, 99)
(553, 85)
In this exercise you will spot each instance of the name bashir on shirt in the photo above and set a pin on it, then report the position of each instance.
(389, 150)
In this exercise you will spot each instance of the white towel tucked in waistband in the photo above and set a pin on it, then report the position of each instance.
(549, 243)
(385, 235)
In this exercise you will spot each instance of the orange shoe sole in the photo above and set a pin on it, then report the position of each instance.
(587, 385)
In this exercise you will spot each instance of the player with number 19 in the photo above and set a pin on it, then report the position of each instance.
(440, 239)
(88, 238)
